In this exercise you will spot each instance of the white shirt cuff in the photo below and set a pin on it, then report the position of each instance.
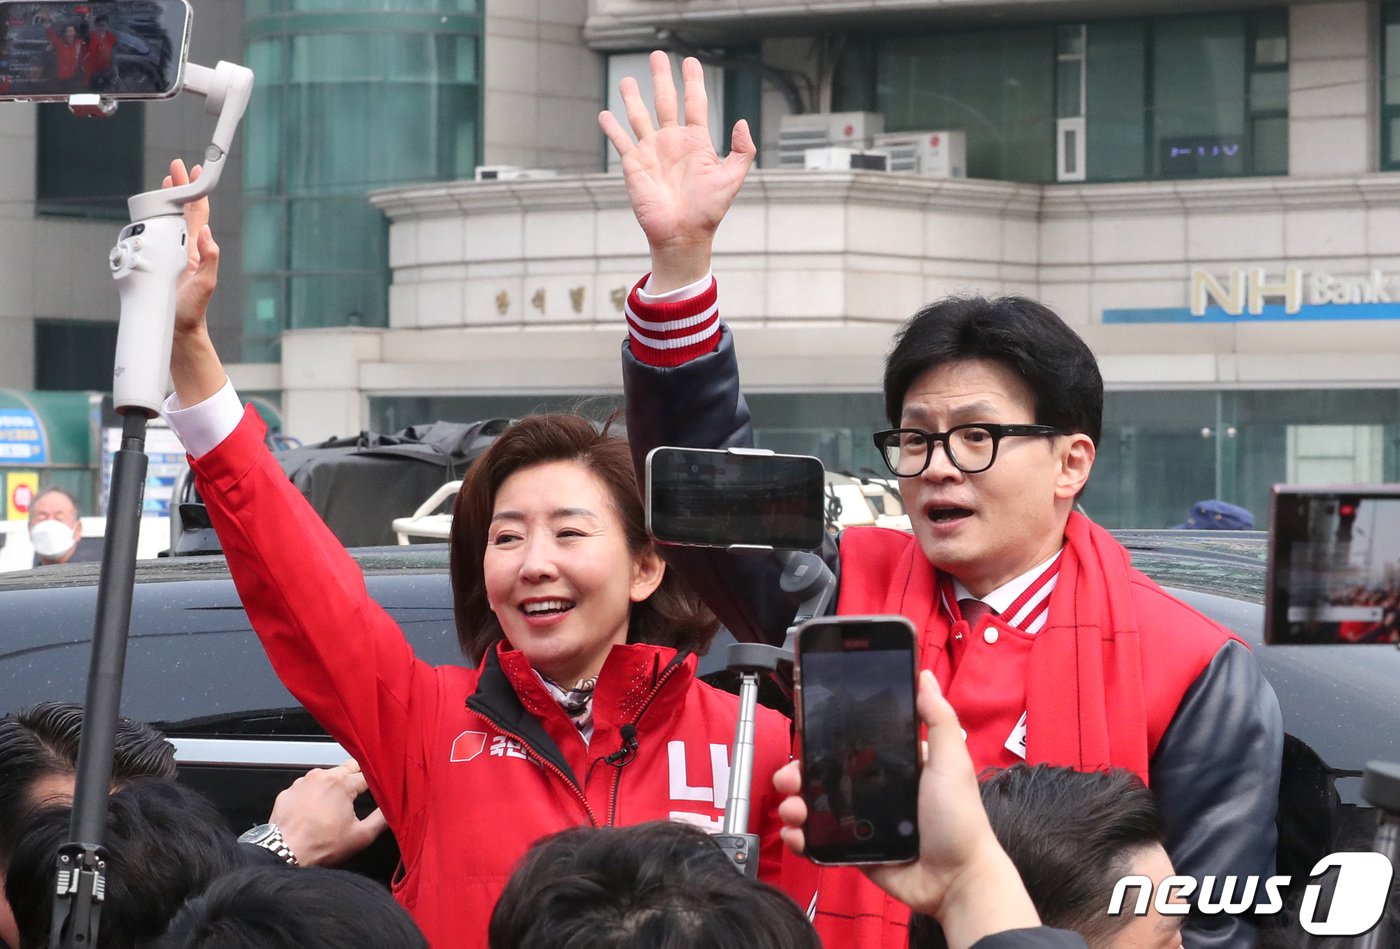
(672, 296)
(202, 426)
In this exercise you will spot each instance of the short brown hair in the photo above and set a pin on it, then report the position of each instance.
(672, 616)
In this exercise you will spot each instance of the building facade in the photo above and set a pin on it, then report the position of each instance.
(1205, 194)
(1206, 191)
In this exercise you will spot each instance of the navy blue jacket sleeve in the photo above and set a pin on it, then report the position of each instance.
(699, 405)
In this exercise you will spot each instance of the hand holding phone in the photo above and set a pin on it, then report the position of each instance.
(962, 876)
(859, 739)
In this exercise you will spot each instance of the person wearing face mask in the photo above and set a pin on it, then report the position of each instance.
(582, 707)
(56, 532)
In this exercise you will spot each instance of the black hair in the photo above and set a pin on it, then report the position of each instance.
(658, 885)
(1018, 333)
(1072, 835)
(42, 741)
(271, 907)
(164, 844)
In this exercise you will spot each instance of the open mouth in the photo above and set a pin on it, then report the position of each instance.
(546, 607)
(941, 515)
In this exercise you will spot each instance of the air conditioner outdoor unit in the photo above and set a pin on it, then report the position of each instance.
(937, 154)
(798, 133)
(512, 173)
(835, 158)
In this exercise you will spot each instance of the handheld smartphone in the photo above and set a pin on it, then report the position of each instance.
(859, 739)
(118, 49)
(742, 497)
(1334, 566)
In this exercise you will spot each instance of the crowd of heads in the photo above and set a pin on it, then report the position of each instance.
(178, 879)
(175, 874)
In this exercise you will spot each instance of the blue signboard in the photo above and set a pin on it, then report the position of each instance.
(22, 439)
(1275, 312)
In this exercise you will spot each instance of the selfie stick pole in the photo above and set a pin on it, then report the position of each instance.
(806, 579)
(1380, 785)
(147, 261)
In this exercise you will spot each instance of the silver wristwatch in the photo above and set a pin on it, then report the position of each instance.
(269, 837)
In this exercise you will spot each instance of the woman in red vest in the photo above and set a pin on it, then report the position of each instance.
(582, 708)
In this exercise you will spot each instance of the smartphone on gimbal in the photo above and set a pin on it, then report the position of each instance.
(51, 50)
(859, 734)
(740, 497)
(1334, 566)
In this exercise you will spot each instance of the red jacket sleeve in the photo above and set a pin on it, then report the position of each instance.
(332, 646)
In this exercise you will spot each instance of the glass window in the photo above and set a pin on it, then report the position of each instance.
(89, 167)
(997, 86)
(264, 236)
(1390, 87)
(74, 354)
(1198, 114)
(349, 104)
(1116, 121)
(341, 299)
(1168, 97)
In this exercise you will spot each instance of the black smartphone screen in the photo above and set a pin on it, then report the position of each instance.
(705, 498)
(1334, 566)
(119, 49)
(860, 739)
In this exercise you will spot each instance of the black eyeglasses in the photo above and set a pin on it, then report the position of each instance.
(971, 448)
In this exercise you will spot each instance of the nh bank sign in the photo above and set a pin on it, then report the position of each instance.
(1251, 294)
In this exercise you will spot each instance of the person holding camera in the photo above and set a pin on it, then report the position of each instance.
(582, 707)
(1049, 644)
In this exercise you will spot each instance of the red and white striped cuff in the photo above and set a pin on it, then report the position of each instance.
(670, 333)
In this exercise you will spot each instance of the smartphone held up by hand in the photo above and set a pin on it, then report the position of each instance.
(740, 497)
(117, 49)
(859, 739)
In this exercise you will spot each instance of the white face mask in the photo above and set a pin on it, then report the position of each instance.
(51, 538)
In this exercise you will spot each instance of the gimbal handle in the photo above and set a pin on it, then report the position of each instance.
(152, 251)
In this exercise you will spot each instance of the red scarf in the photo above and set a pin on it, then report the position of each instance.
(1085, 704)
(1084, 696)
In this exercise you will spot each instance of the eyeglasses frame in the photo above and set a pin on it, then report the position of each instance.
(997, 431)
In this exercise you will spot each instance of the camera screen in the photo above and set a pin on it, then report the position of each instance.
(722, 499)
(1334, 569)
(125, 49)
(858, 761)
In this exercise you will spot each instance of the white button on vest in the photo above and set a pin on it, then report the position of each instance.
(991, 635)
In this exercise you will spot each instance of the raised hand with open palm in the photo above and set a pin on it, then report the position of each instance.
(679, 187)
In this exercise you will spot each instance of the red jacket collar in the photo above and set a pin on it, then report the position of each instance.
(635, 678)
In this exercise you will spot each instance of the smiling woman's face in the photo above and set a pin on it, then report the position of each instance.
(558, 573)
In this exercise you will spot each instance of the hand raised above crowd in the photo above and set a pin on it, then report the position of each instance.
(194, 365)
(679, 187)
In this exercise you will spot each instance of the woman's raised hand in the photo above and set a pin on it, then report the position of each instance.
(679, 187)
(194, 365)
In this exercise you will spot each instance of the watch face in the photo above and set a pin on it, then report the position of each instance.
(258, 834)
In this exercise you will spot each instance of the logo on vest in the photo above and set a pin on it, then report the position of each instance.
(467, 746)
(686, 781)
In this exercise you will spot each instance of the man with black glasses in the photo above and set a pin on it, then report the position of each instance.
(1046, 641)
